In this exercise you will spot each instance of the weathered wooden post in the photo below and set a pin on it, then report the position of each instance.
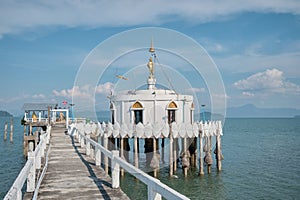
(208, 158)
(122, 153)
(171, 153)
(175, 144)
(31, 175)
(155, 160)
(163, 150)
(11, 130)
(185, 159)
(115, 173)
(201, 171)
(5, 131)
(136, 152)
(219, 153)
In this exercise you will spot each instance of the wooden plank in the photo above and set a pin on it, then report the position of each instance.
(72, 175)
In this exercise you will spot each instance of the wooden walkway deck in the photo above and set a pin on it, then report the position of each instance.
(73, 175)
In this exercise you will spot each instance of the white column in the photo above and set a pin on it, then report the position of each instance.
(31, 175)
(115, 174)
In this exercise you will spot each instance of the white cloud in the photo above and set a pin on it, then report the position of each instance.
(196, 90)
(269, 81)
(104, 88)
(17, 16)
(289, 62)
(38, 96)
(248, 94)
(84, 92)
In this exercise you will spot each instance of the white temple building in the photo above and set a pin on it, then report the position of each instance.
(151, 105)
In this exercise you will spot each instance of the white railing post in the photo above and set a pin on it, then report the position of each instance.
(48, 134)
(42, 140)
(38, 157)
(88, 145)
(81, 141)
(115, 173)
(98, 156)
(31, 175)
(105, 141)
(152, 195)
(19, 194)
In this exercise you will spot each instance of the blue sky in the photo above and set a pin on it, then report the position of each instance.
(255, 45)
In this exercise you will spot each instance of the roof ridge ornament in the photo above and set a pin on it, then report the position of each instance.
(150, 65)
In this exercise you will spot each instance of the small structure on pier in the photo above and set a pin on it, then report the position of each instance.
(36, 118)
(154, 115)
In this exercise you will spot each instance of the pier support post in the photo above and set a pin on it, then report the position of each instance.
(201, 171)
(171, 154)
(155, 160)
(185, 157)
(11, 130)
(115, 173)
(122, 153)
(219, 153)
(31, 175)
(175, 147)
(163, 150)
(5, 131)
(136, 152)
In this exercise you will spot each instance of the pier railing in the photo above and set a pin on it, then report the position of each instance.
(156, 189)
(30, 168)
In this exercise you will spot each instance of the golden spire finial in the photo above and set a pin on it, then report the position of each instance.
(151, 49)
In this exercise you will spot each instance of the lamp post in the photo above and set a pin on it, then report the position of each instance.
(203, 105)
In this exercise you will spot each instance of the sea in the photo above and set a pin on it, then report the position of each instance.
(261, 161)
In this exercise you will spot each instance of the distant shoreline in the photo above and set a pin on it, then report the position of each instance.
(5, 114)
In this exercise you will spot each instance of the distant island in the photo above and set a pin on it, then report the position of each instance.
(5, 114)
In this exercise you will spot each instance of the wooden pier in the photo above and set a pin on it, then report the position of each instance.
(73, 175)
(66, 164)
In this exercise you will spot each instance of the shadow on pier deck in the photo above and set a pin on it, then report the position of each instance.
(73, 175)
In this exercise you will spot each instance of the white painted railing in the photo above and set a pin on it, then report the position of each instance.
(29, 170)
(156, 189)
(157, 130)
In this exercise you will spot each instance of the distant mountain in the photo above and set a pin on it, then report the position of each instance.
(209, 116)
(250, 110)
(5, 114)
(101, 115)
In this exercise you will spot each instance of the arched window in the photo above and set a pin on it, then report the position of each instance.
(137, 108)
(172, 107)
(113, 114)
(137, 105)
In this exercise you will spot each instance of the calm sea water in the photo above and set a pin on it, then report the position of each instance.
(261, 161)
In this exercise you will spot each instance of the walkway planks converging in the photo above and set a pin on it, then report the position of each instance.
(72, 175)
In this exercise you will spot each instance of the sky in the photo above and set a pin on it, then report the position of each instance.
(254, 44)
